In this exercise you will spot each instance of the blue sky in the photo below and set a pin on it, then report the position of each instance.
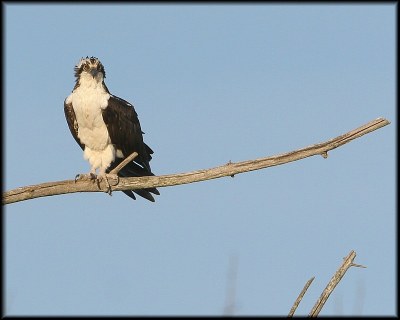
(210, 83)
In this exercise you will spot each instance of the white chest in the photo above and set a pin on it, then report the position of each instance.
(88, 103)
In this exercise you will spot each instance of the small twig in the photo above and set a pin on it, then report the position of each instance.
(357, 265)
(347, 263)
(300, 297)
(124, 163)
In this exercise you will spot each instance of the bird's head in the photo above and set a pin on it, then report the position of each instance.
(89, 71)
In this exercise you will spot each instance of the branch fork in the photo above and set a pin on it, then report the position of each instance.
(347, 263)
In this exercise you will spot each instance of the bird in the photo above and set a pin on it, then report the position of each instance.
(107, 129)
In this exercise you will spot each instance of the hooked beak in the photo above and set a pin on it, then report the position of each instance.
(93, 72)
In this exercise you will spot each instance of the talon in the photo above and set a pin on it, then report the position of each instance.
(97, 179)
(104, 177)
(77, 177)
(112, 176)
(81, 176)
(109, 191)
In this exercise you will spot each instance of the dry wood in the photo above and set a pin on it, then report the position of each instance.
(300, 297)
(347, 263)
(124, 163)
(229, 169)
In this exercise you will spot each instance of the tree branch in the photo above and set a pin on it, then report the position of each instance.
(347, 263)
(124, 163)
(229, 169)
(300, 297)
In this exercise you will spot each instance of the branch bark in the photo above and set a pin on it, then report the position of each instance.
(300, 297)
(229, 169)
(347, 263)
(124, 163)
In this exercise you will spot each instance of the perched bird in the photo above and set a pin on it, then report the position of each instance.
(106, 127)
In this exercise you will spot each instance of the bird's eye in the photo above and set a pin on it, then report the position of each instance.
(86, 67)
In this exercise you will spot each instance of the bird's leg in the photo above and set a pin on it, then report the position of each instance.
(106, 177)
(92, 176)
(86, 176)
(98, 178)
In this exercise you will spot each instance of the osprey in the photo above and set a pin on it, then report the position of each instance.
(106, 127)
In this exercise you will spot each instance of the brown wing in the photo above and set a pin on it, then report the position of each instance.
(72, 123)
(124, 129)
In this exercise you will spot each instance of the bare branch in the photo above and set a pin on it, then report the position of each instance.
(300, 297)
(230, 169)
(347, 263)
(124, 163)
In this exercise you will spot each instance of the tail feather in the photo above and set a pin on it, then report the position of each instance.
(145, 194)
(134, 170)
(129, 193)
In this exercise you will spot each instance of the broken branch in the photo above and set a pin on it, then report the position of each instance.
(300, 297)
(347, 263)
